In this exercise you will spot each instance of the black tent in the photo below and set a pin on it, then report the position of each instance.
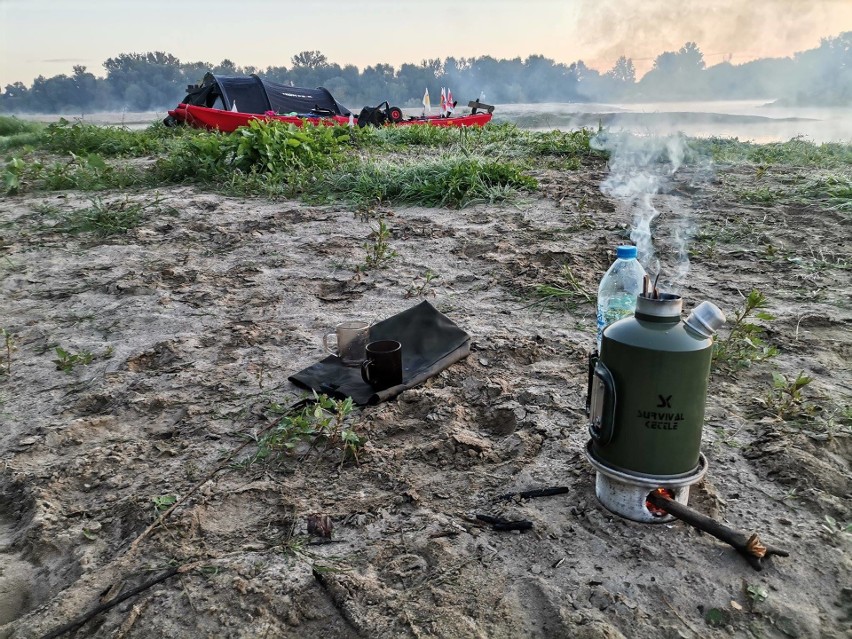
(252, 94)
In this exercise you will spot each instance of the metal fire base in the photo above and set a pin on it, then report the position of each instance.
(625, 493)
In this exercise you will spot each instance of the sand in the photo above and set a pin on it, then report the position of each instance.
(196, 318)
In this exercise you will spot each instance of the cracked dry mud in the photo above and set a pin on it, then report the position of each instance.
(196, 318)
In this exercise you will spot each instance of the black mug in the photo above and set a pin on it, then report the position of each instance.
(383, 366)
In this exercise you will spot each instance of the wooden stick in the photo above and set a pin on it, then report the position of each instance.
(749, 546)
(537, 492)
(498, 523)
(79, 621)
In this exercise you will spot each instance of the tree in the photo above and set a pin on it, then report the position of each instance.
(676, 74)
(309, 59)
(623, 71)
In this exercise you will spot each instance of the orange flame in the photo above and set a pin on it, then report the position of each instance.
(654, 510)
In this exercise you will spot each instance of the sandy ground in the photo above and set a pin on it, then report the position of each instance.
(196, 318)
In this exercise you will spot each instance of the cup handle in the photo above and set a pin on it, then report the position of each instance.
(325, 345)
(365, 370)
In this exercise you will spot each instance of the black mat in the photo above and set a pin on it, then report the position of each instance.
(430, 343)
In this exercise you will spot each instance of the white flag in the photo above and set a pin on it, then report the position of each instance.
(427, 106)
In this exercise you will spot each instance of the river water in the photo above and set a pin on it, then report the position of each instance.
(747, 120)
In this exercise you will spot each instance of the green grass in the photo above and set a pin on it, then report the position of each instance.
(104, 217)
(447, 180)
(79, 138)
(834, 190)
(282, 151)
(760, 195)
(569, 290)
(14, 126)
(794, 152)
(16, 133)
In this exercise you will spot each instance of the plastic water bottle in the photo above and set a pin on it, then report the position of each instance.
(619, 288)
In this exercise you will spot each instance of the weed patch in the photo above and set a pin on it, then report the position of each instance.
(8, 348)
(16, 133)
(66, 361)
(379, 252)
(281, 151)
(107, 217)
(450, 181)
(322, 421)
(795, 152)
(569, 291)
(834, 190)
(80, 138)
(744, 344)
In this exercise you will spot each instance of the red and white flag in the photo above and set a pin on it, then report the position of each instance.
(443, 101)
(450, 107)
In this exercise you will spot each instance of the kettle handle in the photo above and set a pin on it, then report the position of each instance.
(600, 402)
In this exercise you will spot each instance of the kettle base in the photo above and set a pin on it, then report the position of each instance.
(626, 494)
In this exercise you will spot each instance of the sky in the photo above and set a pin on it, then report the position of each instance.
(49, 37)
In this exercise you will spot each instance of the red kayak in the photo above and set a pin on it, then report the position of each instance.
(228, 121)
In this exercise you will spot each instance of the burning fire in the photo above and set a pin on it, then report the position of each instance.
(654, 510)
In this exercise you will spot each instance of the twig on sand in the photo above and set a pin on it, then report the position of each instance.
(498, 523)
(82, 619)
(537, 492)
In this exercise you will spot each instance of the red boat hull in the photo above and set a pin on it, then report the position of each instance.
(228, 121)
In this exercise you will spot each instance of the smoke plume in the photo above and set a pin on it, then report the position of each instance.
(640, 170)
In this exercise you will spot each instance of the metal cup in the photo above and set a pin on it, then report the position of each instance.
(348, 342)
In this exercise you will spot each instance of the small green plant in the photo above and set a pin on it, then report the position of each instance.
(379, 251)
(785, 398)
(105, 218)
(571, 291)
(163, 502)
(12, 175)
(744, 345)
(84, 171)
(756, 594)
(421, 286)
(321, 421)
(66, 361)
(83, 138)
(352, 445)
(9, 345)
(91, 532)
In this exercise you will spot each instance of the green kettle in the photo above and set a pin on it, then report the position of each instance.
(648, 386)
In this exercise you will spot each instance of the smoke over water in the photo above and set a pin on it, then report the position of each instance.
(640, 173)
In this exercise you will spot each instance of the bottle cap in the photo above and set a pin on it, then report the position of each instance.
(705, 319)
(625, 252)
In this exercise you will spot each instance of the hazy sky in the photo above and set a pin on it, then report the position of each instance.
(49, 37)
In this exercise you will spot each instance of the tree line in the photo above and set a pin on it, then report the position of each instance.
(157, 80)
